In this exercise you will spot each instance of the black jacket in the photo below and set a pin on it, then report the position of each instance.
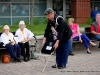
(63, 29)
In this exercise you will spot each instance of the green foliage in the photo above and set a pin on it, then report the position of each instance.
(45, 21)
(36, 29)
(84, 25)
(89, 21)
(5, 23)
(39, 21)
(17, 22)
(36, 21)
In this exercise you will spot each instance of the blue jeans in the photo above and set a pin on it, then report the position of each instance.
(70, 49)
(11, 49)
(85, 40)
(97, 37)
(62, 53)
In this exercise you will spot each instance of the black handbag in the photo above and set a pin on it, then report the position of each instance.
(48, 47)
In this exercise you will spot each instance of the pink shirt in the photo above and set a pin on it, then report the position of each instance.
(74, 28)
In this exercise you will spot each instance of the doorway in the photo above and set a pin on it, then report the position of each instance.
(58, 7)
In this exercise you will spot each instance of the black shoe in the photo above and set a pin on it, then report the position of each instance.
(54, 66)
(14, 60)
(18, 60)
(98, 46)
(25, 59)
(28, 59)
(71, 54)
(61, 67)
(88, 52)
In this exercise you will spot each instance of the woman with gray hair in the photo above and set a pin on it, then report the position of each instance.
(24, 36)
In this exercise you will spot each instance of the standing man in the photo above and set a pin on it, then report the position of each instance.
(93, 13)
(63, 41)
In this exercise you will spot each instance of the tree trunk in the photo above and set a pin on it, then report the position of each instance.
(32, 13)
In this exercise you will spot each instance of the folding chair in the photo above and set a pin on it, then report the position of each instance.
(46, 61)
(46, 54)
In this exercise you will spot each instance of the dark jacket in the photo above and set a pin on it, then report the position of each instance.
(63, 29)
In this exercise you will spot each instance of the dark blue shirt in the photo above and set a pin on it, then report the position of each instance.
(93, 15)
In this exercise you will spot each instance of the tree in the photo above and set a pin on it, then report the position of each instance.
(32, 13)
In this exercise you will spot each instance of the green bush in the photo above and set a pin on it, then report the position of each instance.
(36, 21)
(45, 21)
(5, 23)
(89, 21)
(39, 20)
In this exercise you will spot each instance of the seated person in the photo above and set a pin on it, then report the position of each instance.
(8, 40)
(78, 36)
(24, 36)
(95, 27)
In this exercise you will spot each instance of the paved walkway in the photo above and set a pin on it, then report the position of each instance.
(80, 64)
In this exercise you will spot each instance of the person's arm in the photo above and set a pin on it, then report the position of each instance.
(61, 28)
(46, 34)
(93, 31)
(29, 34)
(79, 34)
(47, 30)
(4, 39)
(18, 38)
(60, 32)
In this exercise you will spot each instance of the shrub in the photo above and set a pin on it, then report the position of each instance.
(89, 21)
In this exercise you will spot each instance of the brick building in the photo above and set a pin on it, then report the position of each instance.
(11, 11)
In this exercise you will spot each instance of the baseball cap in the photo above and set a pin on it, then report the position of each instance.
(48, 11)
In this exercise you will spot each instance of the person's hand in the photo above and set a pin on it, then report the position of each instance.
(80, 40)
(11, 42)
(71, 38)
(43, 42)
(22, 41)
(56, 45)
(28, 39)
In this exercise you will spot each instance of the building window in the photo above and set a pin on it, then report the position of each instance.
(39, 9)
(20, 9)
(4, 9)
(95, 3)
(16, 20)
(20, 0)
(12, 11)
(4, 0)
(4, 21)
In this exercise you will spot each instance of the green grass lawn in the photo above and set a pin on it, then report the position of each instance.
(36, 29)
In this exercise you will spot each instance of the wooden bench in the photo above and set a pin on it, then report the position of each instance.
(31, 45)
(88, 33)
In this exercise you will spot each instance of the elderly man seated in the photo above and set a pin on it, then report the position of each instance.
(24, 36)
(95, 27)
(9, 42)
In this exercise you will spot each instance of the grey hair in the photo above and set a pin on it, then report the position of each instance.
(98, 14)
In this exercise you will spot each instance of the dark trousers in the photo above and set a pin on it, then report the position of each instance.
(14, 50)
(62, 53)
(24, 46)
